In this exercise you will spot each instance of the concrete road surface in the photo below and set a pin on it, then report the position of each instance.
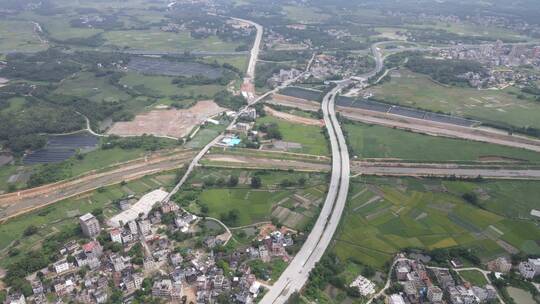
(297, 273)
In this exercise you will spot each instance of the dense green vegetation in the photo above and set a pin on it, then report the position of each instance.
(444, 71)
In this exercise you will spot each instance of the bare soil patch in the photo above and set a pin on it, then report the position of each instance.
(173, 123)
(294, 118)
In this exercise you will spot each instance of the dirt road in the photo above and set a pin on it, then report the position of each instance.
(381, 168)
(13, 204)
(293, 118)
(443, 170)
(235, 161)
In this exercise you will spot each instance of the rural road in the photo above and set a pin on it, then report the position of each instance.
(297, 273)
(13, 204)
(491, 171)
(250, 75)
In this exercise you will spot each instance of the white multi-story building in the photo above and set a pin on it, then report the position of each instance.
(61, 266)
(116, 235)
(396, 299)
(434, 294)
(89, 225)
(530, 268)
(133, 228)
(145, 227)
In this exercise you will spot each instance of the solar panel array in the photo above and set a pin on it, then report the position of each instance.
(60, 148)
(302, 93)
(403, 111)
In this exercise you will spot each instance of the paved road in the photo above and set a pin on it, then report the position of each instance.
(493, 171)
(297, 273)
(250, 75)
(432, 170)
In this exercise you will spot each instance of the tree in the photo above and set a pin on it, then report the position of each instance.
(30, 230)
(256, 182)
(233, 181)
(394, 288)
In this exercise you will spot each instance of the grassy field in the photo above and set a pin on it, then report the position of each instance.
(16, 35)
(370, 141)
(205, 135)
(239, 62)
(470, 29)
(63, 214)
(474, 277)
(419, 91)
(305, 15)
(310, 137)
(97, 89)
(384, 215)
(162, 86)
(256, 205)
(156, 40)
(497, 195)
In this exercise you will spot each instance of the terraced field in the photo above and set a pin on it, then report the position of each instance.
(385, 215)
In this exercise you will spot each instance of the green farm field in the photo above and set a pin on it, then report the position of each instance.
(385, 215)
(18, 35)
(310, 137)
(370, 141)
(416, 90)
(156, 40)
(305, 15)
(262, 204)
(89, 86)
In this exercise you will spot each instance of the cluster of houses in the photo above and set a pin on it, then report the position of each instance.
(500, 60)
(145, 253)
(327, 66)
(436, 285)
(282, 76)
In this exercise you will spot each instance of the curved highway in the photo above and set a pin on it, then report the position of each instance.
(297, 273)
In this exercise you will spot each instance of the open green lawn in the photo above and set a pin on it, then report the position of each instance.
(474, 277)
(254, 205)
(310, 137)
(384, 215)
(156, 40)
(18, 35)
(89, 86)
(53, 218)
(370, 141)
(205, 135)
(416, 90)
